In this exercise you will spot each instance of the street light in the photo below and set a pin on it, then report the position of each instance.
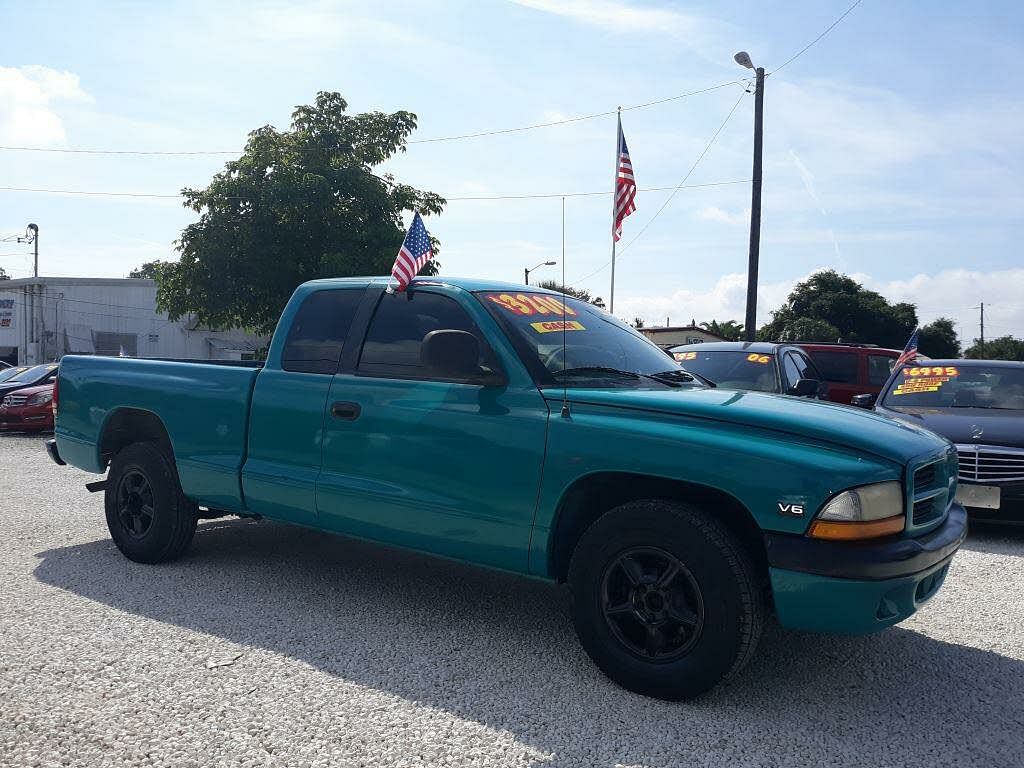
(526, 272)
(750, 326)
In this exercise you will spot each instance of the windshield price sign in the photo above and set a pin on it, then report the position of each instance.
(924, 379)
(527, 304)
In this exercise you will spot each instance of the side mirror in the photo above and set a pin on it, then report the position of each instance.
(864, 401)
(805, 388)
(450, 354)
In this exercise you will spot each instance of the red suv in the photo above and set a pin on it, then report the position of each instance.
(851, 369)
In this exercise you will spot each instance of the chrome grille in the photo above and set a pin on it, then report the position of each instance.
(990, 463)
(12, 401)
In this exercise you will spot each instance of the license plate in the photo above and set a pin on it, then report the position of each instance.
(983, 496)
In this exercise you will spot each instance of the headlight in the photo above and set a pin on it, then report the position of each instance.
(866, 512)
(40, 399)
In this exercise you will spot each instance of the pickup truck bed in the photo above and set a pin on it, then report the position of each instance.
(203, 404)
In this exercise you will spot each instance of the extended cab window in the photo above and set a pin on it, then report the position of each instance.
(839, 367)
(395, 336)
(318, 331)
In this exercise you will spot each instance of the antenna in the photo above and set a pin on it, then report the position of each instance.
(565, 360)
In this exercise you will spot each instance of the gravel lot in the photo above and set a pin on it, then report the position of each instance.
(271, 645)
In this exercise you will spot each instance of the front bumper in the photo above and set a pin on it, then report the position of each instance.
(26, 418)
(857, 588)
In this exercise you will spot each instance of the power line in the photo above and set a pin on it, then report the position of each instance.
(433, 140)
(679, 186)
(546, 195)
(816, 40)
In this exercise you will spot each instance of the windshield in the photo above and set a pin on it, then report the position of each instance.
(10, 373)
(32, 374)
(732, 369)
(959, 386)
(599, 350)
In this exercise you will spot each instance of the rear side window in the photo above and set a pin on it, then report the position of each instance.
(839, 367)
(879, 368)
(318, 331)
(393, 341)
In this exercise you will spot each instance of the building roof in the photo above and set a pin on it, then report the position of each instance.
(119, 281)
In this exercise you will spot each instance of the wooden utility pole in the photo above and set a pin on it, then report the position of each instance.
(750, 326)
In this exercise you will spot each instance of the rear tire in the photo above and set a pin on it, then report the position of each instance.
(149, 518)
(666, 600)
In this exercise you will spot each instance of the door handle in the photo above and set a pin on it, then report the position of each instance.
(345, 411)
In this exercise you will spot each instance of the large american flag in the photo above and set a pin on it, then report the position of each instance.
(413, 255)
(625, 186)
(909, 351)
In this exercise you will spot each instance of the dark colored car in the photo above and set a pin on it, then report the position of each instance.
(979, 406)
(27, 410)
(756, 366)
(851, 369)
(29, 377)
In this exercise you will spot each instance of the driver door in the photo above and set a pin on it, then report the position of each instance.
(433, 464)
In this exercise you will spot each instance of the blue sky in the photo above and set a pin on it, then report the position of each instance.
(894, 148)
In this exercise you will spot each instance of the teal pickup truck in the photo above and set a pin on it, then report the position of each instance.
(518, 429)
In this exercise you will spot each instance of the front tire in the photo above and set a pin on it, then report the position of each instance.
(665, 599)
(148, 516)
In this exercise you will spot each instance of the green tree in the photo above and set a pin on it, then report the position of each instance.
(938, 339)
(4, 275)
(150, 270)
(297, 205)
(842, 309)
(1002, 348)
(577, 293)
(730, 330)
(638, 323)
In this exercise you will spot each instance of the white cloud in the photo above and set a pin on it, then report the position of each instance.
(953, 293)
(617, 16)
(714, 213)
(28, 99)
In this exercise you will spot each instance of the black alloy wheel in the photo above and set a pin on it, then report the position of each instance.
(652, 603)
(135, 504)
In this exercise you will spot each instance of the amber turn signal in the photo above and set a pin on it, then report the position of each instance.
(853, 531)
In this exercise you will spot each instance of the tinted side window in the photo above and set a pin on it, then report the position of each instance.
(879, 368)
(792, 370)
(318, 331)
(840, 367)
(392, 346)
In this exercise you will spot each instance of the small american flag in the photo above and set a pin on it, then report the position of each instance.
(413, 255)
(909, 351)
(625, 186)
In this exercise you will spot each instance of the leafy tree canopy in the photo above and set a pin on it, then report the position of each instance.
(297, 205)
(4, 275)
(840, 308)
(938, 339)
(150, 270)
(730, 330)
(1002, 348)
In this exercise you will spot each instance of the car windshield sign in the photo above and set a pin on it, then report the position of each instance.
(958, 386)
(599, 350)
(731, 369)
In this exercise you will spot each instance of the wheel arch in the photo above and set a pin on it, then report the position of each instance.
(125, 426)
(589, 497)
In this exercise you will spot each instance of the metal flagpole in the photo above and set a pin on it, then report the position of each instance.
(615, 179)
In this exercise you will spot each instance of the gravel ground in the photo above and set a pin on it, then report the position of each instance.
(274, 646)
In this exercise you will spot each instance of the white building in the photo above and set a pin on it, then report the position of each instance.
(42, 318)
